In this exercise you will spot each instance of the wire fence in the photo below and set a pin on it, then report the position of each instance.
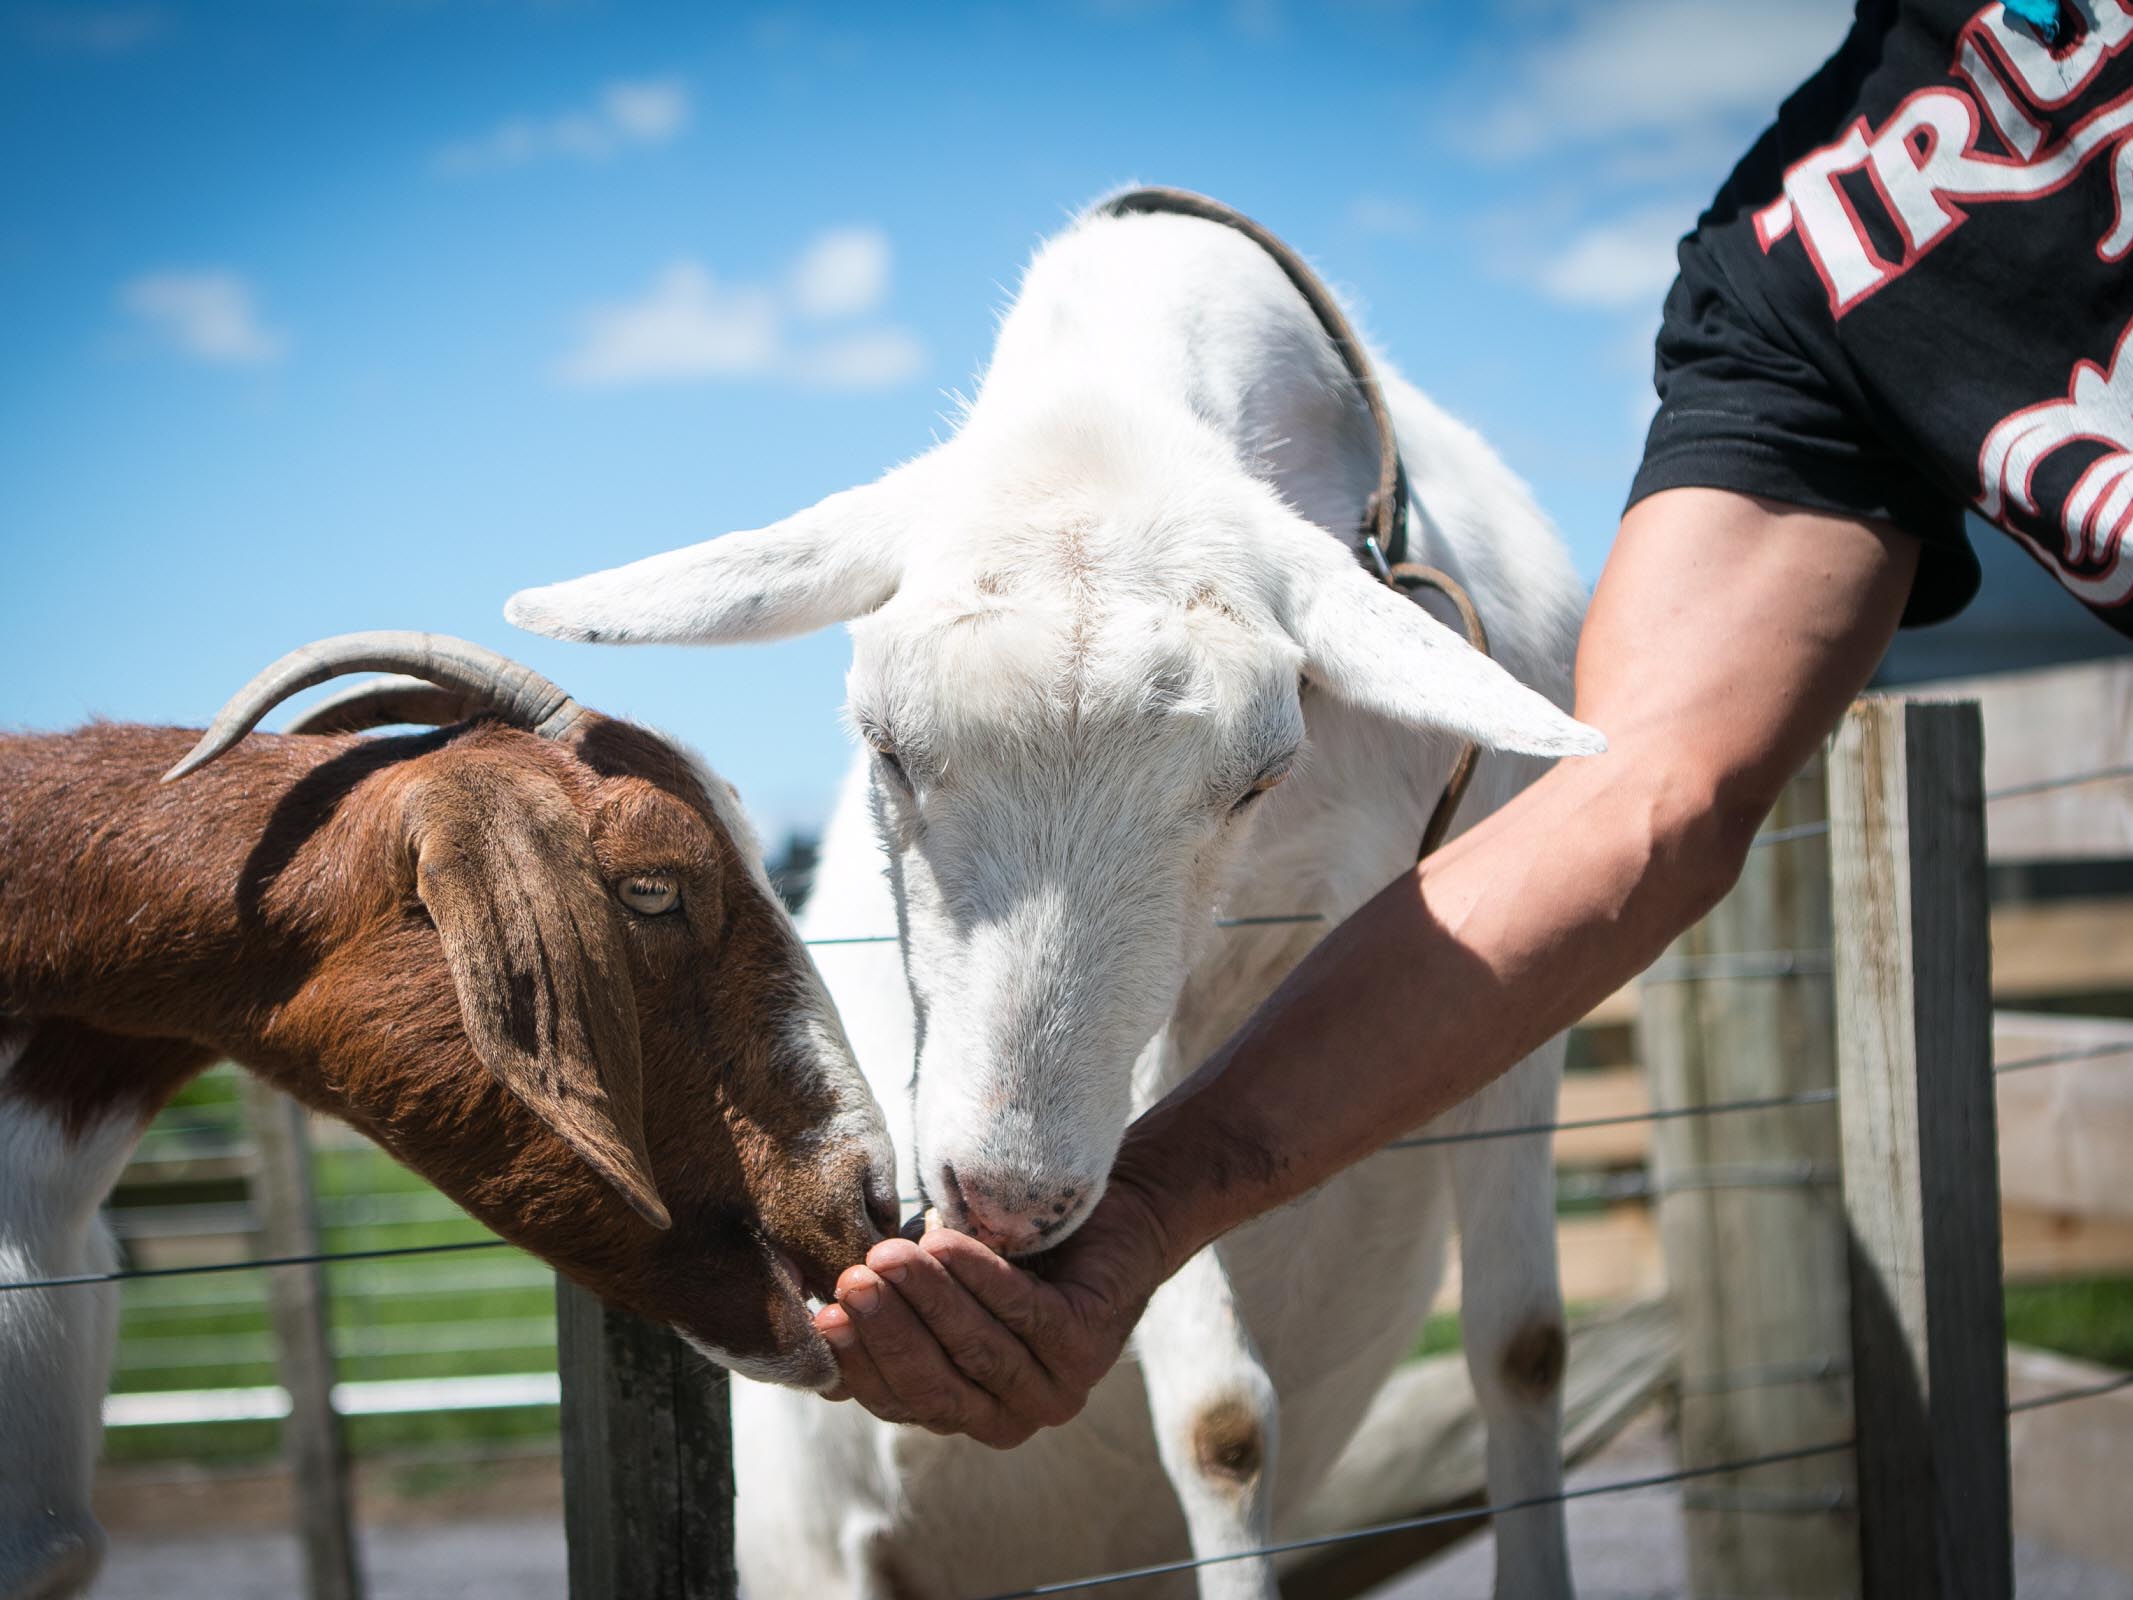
(2013, 791)
(1528, 1130)
(1747, 967)
(254, 1263)
(1751, 965)
(1656, 1480)
(1435, 1519)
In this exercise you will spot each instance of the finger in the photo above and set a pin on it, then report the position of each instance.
(912, 1363)
(858, 1378)
(1027, 1305)
(982, 1348)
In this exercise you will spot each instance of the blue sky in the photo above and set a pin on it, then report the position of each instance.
(365, 313)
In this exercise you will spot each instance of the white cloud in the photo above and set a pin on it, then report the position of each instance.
(623, 116)
(1620, 264)
(649, 113)
(686, 327)
(843, 273)
(211, 316)
(689, 327)
(880, 359)
(1625, 115)
(1657, 66)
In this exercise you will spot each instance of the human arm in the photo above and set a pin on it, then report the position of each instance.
(1726, 637)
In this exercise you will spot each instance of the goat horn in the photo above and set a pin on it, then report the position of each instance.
(488, 681)
(384, 702)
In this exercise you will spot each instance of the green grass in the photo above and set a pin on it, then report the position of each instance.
(1439, 1335)
(492, 1311)
(2091, 1319)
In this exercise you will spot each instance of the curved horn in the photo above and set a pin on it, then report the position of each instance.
(491, 682)
(383, 703)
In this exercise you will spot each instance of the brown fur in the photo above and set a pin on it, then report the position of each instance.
(1533, 1360)
(420, 935)
(1227, 1444)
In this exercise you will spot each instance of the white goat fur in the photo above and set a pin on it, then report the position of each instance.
(55, 1344)
(1080, 624)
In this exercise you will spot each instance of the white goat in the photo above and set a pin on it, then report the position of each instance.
(1088, 630)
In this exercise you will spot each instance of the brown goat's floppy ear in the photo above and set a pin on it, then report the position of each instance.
(537, 958)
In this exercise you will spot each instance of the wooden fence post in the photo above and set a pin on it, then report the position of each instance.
(316, 1446)
(647, 1458)
(1740, 1008)
(1921, 1171)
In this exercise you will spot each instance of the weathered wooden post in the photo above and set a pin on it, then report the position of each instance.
(312, 1437)
(647, 1458)
(1921, 1171)
(1741, 1008)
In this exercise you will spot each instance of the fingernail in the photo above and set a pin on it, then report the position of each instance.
(839, 1335)
(861, 1297)
(894, 1272)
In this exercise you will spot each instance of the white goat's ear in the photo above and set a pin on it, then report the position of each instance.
(839, 559)
(1378, 650)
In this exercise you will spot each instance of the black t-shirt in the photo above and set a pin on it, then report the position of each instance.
(1915, 296)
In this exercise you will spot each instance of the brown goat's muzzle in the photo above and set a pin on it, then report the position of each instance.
(743, 1288)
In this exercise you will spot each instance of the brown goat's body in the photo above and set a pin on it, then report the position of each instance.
(267, 909)
(543, 969)
(139, 939)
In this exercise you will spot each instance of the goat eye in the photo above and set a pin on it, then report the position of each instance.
(889, 759)
(651, 896)
(1260, 787)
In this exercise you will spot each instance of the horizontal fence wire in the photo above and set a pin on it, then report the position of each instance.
(1809, 1097)
(1718, 1108)
(1764, 964)
(2013, 791)
(2086, 1391)
(1279, 919)
(1657, 1480)
(1469, 1136)
(2089, 1052)
(124, 1274)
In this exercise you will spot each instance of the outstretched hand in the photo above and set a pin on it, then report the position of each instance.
(944, 1333)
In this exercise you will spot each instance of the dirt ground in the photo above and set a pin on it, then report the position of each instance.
(1623, 1547)
(490, 1560)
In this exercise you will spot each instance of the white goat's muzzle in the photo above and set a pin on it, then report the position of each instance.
(1015, 1213)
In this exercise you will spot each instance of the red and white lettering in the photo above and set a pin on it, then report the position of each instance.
(1926, 164)
(2095, 560)
(2114, 245)
(2055, 76)
(1906, 160)
(2020, 132)
(1830, 230)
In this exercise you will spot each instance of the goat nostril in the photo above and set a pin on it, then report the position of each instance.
(882, 1210)
(952, 1190)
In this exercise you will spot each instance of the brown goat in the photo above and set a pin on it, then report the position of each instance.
(542, 969)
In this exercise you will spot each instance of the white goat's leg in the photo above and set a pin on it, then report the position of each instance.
(1216, 1421)
(55, 1347)
(1511, 1313)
